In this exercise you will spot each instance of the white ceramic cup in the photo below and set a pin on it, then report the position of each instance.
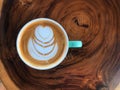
(69, 44)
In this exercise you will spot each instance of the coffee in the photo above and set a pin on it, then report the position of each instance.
(42, 43)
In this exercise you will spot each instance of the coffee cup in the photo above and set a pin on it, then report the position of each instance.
(43, 44)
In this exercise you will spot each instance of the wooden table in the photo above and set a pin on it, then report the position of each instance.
(96, 66)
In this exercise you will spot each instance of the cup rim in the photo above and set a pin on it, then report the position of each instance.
(51, 65)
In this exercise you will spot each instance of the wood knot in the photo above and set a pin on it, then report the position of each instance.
(24, 2)
(77, 22)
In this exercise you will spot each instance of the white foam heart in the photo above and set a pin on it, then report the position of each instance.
(43, 45)
(43, 34)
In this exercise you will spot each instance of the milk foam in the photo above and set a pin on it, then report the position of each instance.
(42, 46)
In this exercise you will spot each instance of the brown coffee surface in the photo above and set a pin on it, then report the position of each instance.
(29, 32)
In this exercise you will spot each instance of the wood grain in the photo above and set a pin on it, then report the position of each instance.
(2, 87)
(6, 80)
(93, 67)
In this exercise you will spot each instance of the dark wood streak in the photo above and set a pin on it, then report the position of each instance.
(93, 67)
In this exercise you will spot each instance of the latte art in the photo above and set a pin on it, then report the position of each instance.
(42, 45)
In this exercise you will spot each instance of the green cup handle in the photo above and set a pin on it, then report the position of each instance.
(75, 44)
